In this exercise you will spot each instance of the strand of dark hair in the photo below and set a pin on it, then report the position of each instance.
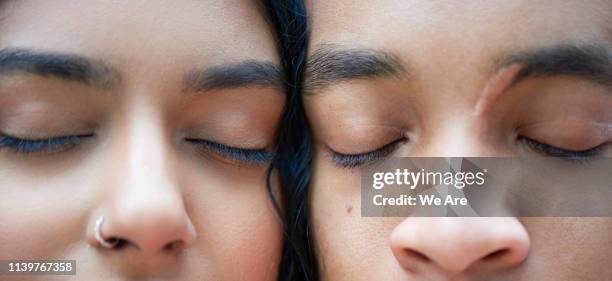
(293, 153)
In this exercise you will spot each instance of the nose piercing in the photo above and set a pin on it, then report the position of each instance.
(109, 244)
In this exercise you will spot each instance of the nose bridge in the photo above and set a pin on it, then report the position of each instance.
(460, 135)
(454, 245)
(147, 207)
(454, 138)
(147, 151)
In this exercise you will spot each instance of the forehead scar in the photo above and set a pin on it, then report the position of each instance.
(495, 88)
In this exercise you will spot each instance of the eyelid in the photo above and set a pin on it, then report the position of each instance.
(41, 145)
(600, 128)
(249, 156)
(606, 129)
(353, 160)
(568, 134)
(553, 151)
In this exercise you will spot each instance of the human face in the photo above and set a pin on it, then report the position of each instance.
(159, 116)
(445, 78)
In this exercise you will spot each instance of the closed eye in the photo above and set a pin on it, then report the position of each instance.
(354, 160)
(48, 145)
(553, 151)
(243, 155)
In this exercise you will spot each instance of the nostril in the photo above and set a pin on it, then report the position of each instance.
(497, 254)
(417, 255)
(119, 243)
(174, 245)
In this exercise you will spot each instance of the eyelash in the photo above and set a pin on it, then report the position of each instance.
(64, 143)
(349, 161)
(50, 145)
(553, 151)
(248, 156)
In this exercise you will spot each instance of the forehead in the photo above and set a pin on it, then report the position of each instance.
(477, 25)
(218, 31)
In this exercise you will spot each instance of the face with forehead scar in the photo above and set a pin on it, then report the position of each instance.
(450, 79)
(136, 138)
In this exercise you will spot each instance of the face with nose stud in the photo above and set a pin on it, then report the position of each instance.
(443, 78)
(154, 121)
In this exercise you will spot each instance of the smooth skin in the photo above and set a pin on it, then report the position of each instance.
(184, 210)
(452, 88)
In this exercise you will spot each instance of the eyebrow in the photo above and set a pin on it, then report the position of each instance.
(251, 73)
(332, 63)
(589, 62)
(62, 66)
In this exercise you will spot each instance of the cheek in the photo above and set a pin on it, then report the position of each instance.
(252, 250)
(334, 198)
(35, 219)
(36, 222)
(570, 246)
(349, 247)
(238, 230)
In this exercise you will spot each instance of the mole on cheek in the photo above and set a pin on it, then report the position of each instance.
(349, 208)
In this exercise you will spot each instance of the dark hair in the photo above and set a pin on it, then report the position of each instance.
(292, 158)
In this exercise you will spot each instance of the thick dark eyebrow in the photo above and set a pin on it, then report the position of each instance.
(63, 66)
(332, 63)
(589, 62)
(250, 73)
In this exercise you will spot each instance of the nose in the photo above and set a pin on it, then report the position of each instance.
(462, 136)
(456, 246)
(146, 210)
(150, 221)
